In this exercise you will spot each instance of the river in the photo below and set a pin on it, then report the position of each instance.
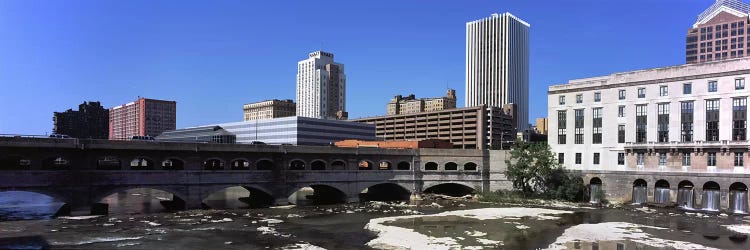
(137, 221)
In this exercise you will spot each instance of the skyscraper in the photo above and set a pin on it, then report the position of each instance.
(497, 64)
(143, 117)
(722, 31)
(90, 121)
(321, 87)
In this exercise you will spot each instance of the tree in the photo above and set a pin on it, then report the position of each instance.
(531, 167)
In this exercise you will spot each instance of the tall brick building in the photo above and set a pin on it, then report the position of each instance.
(721, 32)
(143, 117)
(89, 121)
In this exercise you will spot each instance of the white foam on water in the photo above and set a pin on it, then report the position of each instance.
(303, 246)
(489, 242)
(393, 237)
(475, 233)
(617, 231)
(743, 229)
(87, 217)
(94, 240)
(272, 221)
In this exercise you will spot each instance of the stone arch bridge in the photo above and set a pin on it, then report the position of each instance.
(82, 172)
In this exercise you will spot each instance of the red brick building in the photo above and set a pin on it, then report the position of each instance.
(721, 32)
(143, 117)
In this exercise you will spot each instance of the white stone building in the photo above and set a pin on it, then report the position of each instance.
(497, 64)
(321, 87)
(682, 118)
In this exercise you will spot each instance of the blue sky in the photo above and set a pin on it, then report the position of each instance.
(213, 56)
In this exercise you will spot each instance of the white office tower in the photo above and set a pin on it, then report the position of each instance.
(321, 87)
(497, 64)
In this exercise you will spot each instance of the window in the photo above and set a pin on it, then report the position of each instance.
(578, 158)
(739, 160)
(639, 159)
(621, 94)
(597, 126)
(621, 111)
(686, 159)
(739, 119)
(663, 122)
(687, 88)
(597, 96)
(641, 92)
(561, 126)
(686, 121)
(596, 158)
(579, 98)
(562, 100)
(712, 86)
(640, 123)
(578, 139)
(663, 90)
(620, 158)
(712, 120)
(711, 160)
(620, 133)
(561, 158)
(662, 159)
(739, 83)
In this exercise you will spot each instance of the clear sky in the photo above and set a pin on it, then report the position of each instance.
(213, 56)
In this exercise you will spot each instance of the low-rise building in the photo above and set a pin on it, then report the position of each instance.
(269, 109)
(410, 104)
(207, 134)
(468, 128)
(413, 144)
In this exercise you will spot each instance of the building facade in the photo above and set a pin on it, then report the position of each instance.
(541, 126)
(721, 32)
(269, 109)
(321, 87)
(497, 64)
(689, 117)
(90, 121)
(467, 128)
(204, 134)
(143, 117)
(297, 130)
(410, 104)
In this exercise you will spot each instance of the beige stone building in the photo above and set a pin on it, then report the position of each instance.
(410, 104)
(269, 109)
(541, 125)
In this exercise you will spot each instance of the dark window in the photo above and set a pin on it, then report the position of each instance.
(739, 160)
(578, 158)
(711, 159)
(663, 122)
(686, 159)
(621, 111)
(561, 158)
(686, 117)
(712, 120)
(712, 85)
(639, 159)
(579, 98)
(597, 126)
(596, 158)
(620, 158)
(663, 90)
(561, 126)
(739, 119)
(640, 123)
(621, 94)
(687, 88)
(579, 126)
(597, 96)
(739, 83)
(620, 133)
(641, 92)
(562, 100)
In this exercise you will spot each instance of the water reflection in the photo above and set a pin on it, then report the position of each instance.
(137, 200)
(19, 205)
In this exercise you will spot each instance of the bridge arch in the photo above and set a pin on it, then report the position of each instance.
(365, 165)
(297, 164)
(101, 200)
(173, 163)
(56, 162)
(403, 165)
(470, 166)
(14, 162)
(318, 164)
(141, 163)
(387, 191)
(240, 164)
(431, 166)
(317, 194)
(43, 203)
(338, 164)
(455, 189)
(108, 162)
(385, 165)
(246, 195)
(265, 164)
(451, 166)
(213, 163)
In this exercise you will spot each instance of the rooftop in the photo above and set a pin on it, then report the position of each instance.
(736, 6)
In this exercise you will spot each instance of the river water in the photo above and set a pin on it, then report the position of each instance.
(137, 221)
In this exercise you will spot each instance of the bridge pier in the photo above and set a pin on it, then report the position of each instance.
(281, 201)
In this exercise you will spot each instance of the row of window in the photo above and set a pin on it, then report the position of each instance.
(739, 159)
(687, 88)
(739, 122)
